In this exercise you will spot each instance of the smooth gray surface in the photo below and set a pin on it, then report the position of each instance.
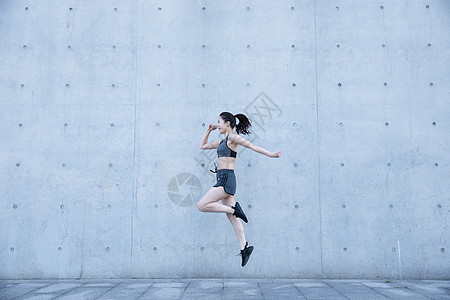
(224, 289)
(100, 166)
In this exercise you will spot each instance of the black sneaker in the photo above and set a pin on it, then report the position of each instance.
(246, 253)
(239, 213)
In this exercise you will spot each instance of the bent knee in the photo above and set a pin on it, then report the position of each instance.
(200, 207)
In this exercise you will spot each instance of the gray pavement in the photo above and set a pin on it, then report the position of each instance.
(224, 289)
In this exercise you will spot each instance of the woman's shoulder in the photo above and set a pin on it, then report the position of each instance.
(233, 136)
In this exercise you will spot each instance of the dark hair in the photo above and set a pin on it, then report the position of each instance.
(244, 122)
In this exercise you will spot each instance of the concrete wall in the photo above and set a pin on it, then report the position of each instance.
(104, 103)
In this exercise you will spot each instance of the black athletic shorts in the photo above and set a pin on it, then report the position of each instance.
(227, 179)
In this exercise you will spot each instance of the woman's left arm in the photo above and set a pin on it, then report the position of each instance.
(241, 141)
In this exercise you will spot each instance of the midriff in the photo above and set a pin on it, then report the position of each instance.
(225, 162)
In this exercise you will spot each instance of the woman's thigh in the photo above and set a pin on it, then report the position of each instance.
(229, 200)
(213, 195)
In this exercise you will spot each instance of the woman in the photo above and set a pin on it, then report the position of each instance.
(225, 187)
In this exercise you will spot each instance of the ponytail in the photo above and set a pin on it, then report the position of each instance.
(243, 125)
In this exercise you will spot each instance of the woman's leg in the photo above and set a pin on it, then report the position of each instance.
(237, 224)
(208, 203)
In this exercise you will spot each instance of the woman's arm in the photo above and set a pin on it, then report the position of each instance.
(241, 141)
(204, 143)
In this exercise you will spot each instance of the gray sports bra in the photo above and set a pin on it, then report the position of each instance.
(224, 150)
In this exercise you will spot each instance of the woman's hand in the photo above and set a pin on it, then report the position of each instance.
(212, 127)
(276, 154)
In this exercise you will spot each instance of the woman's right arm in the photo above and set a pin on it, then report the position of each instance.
(241, 141)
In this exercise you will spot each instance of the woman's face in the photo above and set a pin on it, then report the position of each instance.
(221, 125)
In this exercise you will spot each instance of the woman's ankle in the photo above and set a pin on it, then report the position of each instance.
(242, 248)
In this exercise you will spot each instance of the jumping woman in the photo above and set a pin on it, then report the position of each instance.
(225, 187)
